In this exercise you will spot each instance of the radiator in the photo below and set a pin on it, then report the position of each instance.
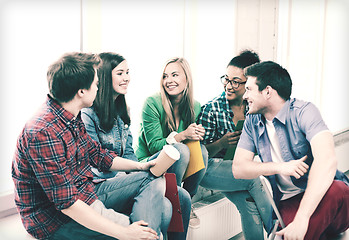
(219, 219)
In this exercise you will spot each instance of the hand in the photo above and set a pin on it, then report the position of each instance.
(194, 132)
(295, 168)
(139, 230)
(146, 165)
(230, 139)
(296, 230)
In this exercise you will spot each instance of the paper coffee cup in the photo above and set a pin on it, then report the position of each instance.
(168, 156)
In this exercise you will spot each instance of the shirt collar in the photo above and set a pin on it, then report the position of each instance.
(281, 116)
(225, 102)
(67, 117)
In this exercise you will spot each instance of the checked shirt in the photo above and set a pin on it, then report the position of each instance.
(217, 119)
(51, 169)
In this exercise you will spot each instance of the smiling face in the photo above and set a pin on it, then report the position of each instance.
(235, 74)
(257, 101)
(121, 78)
(174, 79)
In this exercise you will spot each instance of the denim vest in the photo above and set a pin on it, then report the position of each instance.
(118, 139)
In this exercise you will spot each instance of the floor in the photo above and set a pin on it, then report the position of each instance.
(343, 236)
(11, 228)
(17, 231)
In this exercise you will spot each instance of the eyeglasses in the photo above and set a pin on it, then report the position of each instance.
(235, 84)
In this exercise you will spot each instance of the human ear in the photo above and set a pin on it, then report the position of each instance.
(268, 91)
(81, 92)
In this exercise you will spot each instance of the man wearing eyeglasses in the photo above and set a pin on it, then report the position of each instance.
(220, 118)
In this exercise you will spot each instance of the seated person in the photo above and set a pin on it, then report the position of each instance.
(108, 122)
(297, 153)
(219, 117)
(169, 117)
(54, 189)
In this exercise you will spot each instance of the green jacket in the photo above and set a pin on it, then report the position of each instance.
(153, 133)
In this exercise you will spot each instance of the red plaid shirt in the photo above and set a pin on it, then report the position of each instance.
(52, 168)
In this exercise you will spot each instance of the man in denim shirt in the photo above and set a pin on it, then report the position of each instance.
(297, 153)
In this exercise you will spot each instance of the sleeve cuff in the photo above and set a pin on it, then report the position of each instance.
(170, 138)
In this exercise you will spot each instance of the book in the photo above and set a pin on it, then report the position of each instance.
(196, 161)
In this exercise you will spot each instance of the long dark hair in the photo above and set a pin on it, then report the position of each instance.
(106, 107)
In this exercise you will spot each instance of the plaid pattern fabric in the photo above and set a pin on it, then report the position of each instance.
(217, 119)
(51, 168)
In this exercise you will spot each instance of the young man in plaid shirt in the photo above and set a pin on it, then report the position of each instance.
(51, 170)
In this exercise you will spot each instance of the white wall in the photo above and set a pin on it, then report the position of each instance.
(256, 27)
(313, 46)
(147, 33)
(310, 39)
(33, 35)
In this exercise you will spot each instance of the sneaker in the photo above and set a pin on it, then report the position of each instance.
(194, 221)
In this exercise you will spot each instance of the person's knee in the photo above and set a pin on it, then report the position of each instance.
(255, 183)
(166, 213)
(204, 154)
(337, 191)
(185, 202)
(184, 197)
(159, 186)
(184, 152)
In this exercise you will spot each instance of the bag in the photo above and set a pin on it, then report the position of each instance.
(176, 224)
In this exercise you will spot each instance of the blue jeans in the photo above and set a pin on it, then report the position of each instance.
(191, 183)
(247, 195)
(139, 195)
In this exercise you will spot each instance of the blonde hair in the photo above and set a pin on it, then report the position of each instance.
(186, 104)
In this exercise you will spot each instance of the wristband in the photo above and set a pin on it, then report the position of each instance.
(170, 138)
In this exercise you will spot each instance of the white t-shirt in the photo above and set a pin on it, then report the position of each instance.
(284, 183)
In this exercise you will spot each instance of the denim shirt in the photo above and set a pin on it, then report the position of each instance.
(118, 139)
(295, 125)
